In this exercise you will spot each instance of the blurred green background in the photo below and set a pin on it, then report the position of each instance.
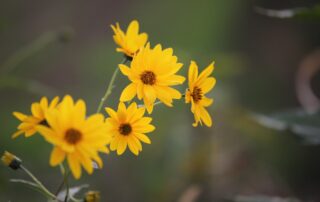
(257, 58)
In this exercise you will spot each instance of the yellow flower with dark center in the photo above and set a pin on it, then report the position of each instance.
(11, 160)
(199, 85)
(29, 122)
(75, 137)
(130, 42)
(128, 125)
(92, 196)
(152, 72)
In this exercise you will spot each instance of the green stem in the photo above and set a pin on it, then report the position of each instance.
(110, 87)
(158, 102)
(66, 182)
(41, 186)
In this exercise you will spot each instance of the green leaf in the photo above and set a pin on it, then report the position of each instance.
(312, 13)
(299, 122)
(72, 192)
(29, 184)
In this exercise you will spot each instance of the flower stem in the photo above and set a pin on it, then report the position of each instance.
(41, 186)
(110, 87)
(66, 182)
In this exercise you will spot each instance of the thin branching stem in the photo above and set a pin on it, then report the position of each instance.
(41, 186)
(66, 182)
(158, 102)
(110, 87)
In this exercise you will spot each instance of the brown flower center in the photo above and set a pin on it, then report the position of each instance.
(72, 136)
(148, 78)
(44, 123)
(196, 94)
(125, 129)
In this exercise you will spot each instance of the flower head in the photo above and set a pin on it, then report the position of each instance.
(130, 42)
(199, 85)
(30, 122)
(92, 196)
(129, 127)
(11, 160)
(151, 73)
(75, 137)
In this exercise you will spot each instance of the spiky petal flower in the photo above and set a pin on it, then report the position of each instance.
(199, 85)
(130, 42)
(152, 73)
(30, 122)
(128, 125)
(75, 136)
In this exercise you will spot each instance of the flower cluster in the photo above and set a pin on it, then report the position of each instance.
(80, 138)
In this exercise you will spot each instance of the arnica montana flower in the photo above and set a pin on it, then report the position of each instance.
(130, 42)
(11, 160)
(151, 73)
(128, 126)
(75, 137)
(29, 122)
(198, 87)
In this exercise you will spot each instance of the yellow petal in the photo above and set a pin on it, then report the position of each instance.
(205, 117)
(193, 73)
(144, 129)
(114, 143)
(85, 161)
(57, 156)
(128, 93)
(133, 147)
(36, 110)
(44, 103)
(122, 145)
(207, 84)
(124, 69)
(19, 115)
(206, 101)
(206, 72)
(133, 28)
(111, 113)
(54, 102)
(16, 134)
(49, 135)
(74, 165)
(143, 138)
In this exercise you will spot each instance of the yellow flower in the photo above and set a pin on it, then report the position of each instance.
(198, 87)
(11, 160)
(151, 73)
(92, 196)
(132, 41)
(128, 126)
(29, 122)
(75, 137)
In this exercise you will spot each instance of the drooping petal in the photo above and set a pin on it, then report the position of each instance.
(128, 93)
(74, 165)
(57, 156)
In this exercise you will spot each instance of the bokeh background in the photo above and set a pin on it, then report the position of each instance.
(238, 159)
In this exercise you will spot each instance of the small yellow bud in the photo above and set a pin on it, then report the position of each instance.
(92, 196)
(11, 160)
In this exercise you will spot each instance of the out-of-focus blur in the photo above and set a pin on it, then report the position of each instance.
(248, 154)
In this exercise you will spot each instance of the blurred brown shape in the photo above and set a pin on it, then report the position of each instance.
(307, 70)
(190, 194)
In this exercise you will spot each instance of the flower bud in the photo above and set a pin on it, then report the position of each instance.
(11, 160)
(92, 196)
